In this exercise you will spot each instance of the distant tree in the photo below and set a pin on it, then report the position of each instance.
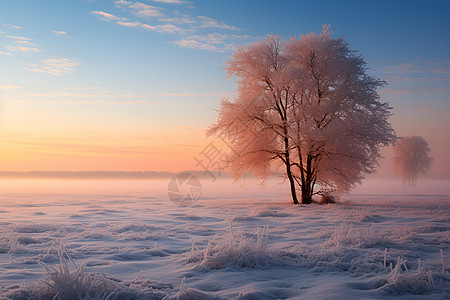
(411, 158)
(306, 105)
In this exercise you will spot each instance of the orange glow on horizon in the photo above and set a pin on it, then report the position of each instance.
(171, 151)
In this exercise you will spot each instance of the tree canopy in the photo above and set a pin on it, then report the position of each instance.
(305, 105)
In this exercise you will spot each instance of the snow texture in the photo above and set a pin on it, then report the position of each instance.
(123, 240)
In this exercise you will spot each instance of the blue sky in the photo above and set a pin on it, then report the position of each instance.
(149, 68)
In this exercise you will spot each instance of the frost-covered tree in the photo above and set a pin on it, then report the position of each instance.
(306, 105)
(411, 158)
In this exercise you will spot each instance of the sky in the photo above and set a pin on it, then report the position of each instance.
(132, 86)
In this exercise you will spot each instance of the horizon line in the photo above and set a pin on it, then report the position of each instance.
(98, 174)
(149, 174)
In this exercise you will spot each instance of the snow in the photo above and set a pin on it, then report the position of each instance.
(124, 239)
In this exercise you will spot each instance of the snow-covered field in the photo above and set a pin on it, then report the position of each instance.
(124, 239)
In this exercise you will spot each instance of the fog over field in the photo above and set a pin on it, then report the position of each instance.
(234, 243)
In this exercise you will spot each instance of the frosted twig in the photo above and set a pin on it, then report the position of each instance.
(404, 264)
(430, 278)
(137, 277)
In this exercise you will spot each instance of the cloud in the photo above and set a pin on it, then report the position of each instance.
(412, 90)
(20, 41)
(21, 48)
(145, 10)
(99, 95)
(413, 70)
(59, 32)
(140, 9)
(185, 94)
(129, 24)
(173, 22)
(218, 38)
(401, 69)
(122, 2)
(221, 42)
(18, 38)
(179, 20)
(14, 26)
(54, 66)
(9, 87)
(172, 1)
(106, 16)
(84, 95)
(440, 71)
(194, 44)
(168, 28)
(418, 76)
(207, 22)
(24, 42)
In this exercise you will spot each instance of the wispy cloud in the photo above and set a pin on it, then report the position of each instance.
(82, 92)
(19, 38)
(54, 66)
(140, 9)
(9, 87)
(145, 10)
(413, 90)
(221, 42)
(179, 20)
(167, 28)
(122, 2)
(423, 71)
(17, 45)
(129, 24)
(13, 26)
(97, 94)
(440, 70)
(402, 68)
(60, 32)
(106, 16)
(83, 95)
(207, 22)
(21, 48)
(185, 94)
(21, 44)
(193, 44)
(418, 78)
(218, 38)
(172, 22)
(172, 1)
(24, 42)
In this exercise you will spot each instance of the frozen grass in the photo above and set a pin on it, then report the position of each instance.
(235, 249)
(343, 251)
(404, 281)
(189, 293)
(346, 234)
(67, 281)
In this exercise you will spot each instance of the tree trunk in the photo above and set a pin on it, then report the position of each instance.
(306, 193)
(292, 183)
(288, 167)
(307, 183)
